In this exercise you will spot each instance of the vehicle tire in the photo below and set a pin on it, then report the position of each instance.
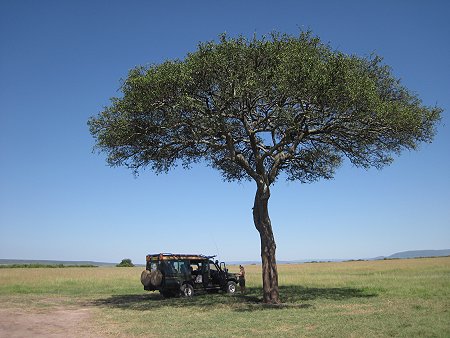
(145, 278)
(187, 290)
(230, 287)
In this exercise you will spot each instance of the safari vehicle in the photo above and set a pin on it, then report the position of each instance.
(179, 274)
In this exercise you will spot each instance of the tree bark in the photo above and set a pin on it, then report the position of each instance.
(263, 225)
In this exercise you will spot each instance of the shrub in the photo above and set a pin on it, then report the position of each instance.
(126, 263)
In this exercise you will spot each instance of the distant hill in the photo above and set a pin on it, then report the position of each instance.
(53, 262)
(312, 260)
(420, 253)
(398, 255)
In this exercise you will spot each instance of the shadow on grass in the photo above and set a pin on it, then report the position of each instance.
(291, 296)
(300, 293)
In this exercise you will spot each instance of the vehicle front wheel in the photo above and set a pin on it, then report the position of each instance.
(187, 290)
(231, 287)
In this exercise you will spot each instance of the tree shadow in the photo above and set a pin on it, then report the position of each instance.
(292, 297)
(295, 293)
(153, 301)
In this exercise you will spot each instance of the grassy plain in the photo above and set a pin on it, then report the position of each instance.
(402, 298)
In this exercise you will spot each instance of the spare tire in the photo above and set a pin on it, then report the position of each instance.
(156, 277)
(145, 278)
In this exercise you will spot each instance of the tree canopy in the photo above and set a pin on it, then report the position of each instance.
(288, 104)
(258, 108)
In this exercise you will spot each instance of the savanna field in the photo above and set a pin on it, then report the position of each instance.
(401, 298)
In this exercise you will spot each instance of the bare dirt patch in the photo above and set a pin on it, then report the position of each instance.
(54, 322)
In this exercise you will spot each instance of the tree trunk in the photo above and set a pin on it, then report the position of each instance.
(264, 227)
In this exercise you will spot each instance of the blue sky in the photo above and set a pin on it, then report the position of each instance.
(61, 61)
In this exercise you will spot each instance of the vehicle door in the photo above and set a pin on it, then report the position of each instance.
(185, 270)
(171, 273)
(223, 273)
(214, 274)
(205, 274)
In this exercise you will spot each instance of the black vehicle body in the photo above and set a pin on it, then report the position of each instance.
(181, 274)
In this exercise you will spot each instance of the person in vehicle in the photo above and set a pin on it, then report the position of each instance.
(198, 273)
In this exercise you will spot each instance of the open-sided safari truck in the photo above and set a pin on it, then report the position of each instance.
(180, 274)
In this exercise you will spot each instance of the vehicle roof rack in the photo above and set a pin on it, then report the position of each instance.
(167, 255)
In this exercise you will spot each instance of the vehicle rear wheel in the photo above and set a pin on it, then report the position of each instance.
(187, 290)
(230, 287)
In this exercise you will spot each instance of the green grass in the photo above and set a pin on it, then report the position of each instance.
(402, 298)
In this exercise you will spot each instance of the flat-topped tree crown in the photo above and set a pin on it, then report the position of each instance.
(256, 108)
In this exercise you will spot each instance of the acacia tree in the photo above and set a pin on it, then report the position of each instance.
(256, 109)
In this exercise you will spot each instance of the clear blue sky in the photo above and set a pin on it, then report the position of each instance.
(61, 61)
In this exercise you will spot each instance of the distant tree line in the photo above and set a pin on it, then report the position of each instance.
(36, 265)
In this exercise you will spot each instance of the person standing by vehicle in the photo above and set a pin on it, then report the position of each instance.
(242, 278)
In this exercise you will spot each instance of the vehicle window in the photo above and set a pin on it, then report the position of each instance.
(175, 266)
(153, 266)
(195, 266)
(183, 267)
(178, 267)
(169, 267)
